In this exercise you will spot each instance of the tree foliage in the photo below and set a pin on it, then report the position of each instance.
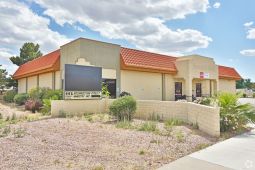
(244, 83)
(28, 52)
(3, 77)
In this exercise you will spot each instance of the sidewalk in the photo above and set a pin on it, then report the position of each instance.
(237, 153)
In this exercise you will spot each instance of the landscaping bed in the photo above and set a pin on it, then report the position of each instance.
(81, 144)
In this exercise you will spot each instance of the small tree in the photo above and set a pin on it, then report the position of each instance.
(28, 52)
(3, 78)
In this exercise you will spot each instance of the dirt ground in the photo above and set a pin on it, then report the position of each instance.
(67, 143)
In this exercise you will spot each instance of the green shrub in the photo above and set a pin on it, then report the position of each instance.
(36, 93)
(9, 96)
(52, 94)
(21, 98)
(44, 96)
(233, 115)
(123, 108)
(47, 104)
(45, 93)
(253, 95)
(148, 127)
(207, 101)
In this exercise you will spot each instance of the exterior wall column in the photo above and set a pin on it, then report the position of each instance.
(216, 86)
(188, 89)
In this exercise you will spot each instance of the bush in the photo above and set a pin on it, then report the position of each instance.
(21, 98)
(38, 96)
(48, 97)
(52, 94)
(37, 93)
(207, 101)
(123, 108)
(33, 105)
(122, 94)
(148, 127)
(9, 96)
(233, 115)
(253, 95)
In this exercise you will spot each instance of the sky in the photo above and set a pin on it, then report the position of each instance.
(220, 29)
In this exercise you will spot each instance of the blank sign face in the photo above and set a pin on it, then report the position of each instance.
(83, 78)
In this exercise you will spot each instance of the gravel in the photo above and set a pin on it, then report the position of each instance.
(65, 143)
(78, 144)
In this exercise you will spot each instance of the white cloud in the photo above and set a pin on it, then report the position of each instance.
(250, 52)
(18, 24)
(78, 28)
(140, 22)
(216, 5)
(248, 24)
(250, 35)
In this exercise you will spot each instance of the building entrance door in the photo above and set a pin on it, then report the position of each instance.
(198, 90)
(178, 90)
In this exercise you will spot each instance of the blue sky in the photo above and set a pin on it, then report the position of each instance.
(223, 30)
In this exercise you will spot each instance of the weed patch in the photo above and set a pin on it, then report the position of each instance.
(124, 125)
(19, 132)
(202, 146)
(148, 127)
(180, 136)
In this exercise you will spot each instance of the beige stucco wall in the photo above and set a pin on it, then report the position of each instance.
(94, 53)
(142, 85)
(22, 85)
(189, 68)
(207, 118)
(227, 86)
(31, 82)
(57, 80)
(170, 87)
(46, 80)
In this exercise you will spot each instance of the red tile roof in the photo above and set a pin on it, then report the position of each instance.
(228, 73)
(46, 63)
(141, 60)
(131, 59)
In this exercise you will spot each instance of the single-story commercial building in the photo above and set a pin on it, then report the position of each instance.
(144, 74)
